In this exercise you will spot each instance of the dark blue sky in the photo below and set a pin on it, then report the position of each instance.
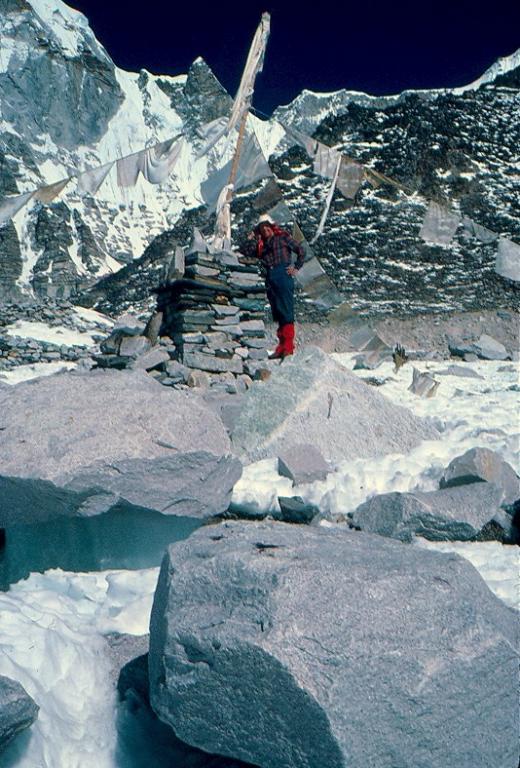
(373, 45)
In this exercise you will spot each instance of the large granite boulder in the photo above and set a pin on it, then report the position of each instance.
(311, 398)
(483, 464)
(301, 647)
(142, 733)
(17, 710)
(453, 514)
(77, 444)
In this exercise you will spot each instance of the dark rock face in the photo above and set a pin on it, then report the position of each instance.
(453, 147)
(54, 274)
(144, 733)
(11, 263)
(135, 283)
(17, 710)
(41, 96)
(301, 647)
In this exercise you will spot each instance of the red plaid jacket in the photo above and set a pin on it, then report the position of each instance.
(277, 249)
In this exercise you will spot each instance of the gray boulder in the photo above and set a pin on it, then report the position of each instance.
(482, 464)
(133, 346)
(311, 398)
(154, 358)
(304, 647)
(76, 444)
(17, 710)
(302, 464)
(485, 348)
(293, 509)
(453, 514)
(488, 348)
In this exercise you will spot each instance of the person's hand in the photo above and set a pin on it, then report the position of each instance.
(292, 271)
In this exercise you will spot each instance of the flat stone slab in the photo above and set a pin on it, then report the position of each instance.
(212, 363)
(151, 359)
(453, 514)
(311, 398)
(302, 463)
(75, 443)
(305, 647)
(459, 370)
(423, 384)
(17, 710)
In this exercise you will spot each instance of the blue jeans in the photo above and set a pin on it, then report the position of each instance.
(280, 293)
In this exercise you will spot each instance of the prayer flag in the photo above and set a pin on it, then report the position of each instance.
(10, 206)
(439, 224)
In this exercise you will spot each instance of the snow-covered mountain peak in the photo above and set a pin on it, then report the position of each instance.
(502, 66)
(67, 29)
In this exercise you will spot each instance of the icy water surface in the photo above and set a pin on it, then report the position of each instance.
(125, 537)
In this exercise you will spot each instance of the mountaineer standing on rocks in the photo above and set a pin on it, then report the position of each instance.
(273, 246)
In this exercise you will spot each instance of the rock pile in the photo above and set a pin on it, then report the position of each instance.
(15, 351)
(20, 350)
(214, 314)
(210, 320)
(477, 500)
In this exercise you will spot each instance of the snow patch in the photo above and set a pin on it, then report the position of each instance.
(27, 329)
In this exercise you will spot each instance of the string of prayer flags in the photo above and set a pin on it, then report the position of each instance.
(128, 170)
(309, 144)
(439, 224)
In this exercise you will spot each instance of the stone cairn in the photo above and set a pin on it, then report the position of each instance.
(210, 311)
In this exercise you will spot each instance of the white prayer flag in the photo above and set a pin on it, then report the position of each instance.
(350, 178)
(439, 224)
(472, 229)
(328, 201)
(10, 206)
(309, 144)
(254, 65)
(222, 239)
(90, 181)
(507, 261)
(128, 169)
(326, 161)
(48, 193)
(157, 162)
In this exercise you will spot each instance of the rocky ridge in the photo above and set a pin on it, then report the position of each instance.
(456, 145)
